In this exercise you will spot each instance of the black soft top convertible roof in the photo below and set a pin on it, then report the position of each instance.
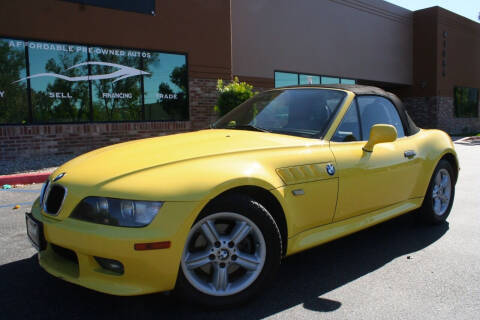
(360, 90)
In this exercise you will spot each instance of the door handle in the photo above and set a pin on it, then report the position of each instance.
(409, 154)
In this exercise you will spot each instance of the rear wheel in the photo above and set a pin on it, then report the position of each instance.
(231, 253)
(440, 194)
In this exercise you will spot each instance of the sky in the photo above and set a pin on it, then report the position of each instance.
(466, 8)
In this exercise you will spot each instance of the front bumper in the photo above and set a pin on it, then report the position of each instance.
(144, 271)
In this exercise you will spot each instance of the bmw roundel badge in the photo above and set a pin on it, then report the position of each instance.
(330, 169)
(60, 176)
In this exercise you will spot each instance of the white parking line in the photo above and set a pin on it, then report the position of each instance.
(20, 190)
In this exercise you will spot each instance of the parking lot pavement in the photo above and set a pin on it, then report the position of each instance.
(397, 270)
(13, 244)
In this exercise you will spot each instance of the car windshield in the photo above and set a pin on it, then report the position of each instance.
(298, 112)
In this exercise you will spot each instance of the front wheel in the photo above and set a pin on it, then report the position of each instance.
(231, 253)
(440, 194)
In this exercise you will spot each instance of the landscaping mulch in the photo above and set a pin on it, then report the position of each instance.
(34, 164)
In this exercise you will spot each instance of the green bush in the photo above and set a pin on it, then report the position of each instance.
(231, 95)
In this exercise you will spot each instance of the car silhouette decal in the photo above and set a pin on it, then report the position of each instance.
(123, 73)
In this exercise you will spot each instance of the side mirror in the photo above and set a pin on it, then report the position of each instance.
(380, 133)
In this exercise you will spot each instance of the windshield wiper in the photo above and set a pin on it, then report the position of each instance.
(249, 127)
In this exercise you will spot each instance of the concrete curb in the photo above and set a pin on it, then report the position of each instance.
(24, 178)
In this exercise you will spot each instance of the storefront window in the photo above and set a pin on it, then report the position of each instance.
(165, 87)
(309, 79)
(59, 82)
(283, 79)
(330, 80)
(116, 84)
(347, 81)
(466, 102)
(141, 6)
(13, 95)
(44, 82)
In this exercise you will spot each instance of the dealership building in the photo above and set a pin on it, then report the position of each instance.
(80, 74)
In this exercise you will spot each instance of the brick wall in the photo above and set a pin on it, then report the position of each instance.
(447, 121)
(203, 96)
(29, 141)
(439, 112)
(423, 111)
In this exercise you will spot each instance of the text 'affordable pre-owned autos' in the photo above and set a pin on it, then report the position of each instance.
(210, 214)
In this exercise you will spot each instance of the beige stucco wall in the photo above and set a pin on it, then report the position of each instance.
(360, 39)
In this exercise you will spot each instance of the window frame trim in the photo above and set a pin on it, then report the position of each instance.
(103, 6)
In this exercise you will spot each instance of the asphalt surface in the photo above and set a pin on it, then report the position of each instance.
(397, 270)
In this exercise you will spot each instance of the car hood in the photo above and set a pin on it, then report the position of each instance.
(124, 159)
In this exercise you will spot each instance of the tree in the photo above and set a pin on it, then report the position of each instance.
(73, 108)
(231, 95)
(111, 109)
(13, 100)
(175, 108)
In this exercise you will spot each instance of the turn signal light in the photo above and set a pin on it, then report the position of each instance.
(153, 245)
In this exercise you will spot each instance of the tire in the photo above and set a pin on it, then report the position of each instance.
(440, 194)
(232, 252)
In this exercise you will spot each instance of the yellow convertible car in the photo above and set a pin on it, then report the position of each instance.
(210, 214)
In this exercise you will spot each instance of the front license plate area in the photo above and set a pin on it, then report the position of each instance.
(35, 232)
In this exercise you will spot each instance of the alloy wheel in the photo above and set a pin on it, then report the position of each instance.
(441, 193)
(224, 254)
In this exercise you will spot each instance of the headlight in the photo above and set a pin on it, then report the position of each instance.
(116, 212)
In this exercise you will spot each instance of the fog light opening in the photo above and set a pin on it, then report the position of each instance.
(110, 265)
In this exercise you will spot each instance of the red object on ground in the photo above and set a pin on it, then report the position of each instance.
(24, 178)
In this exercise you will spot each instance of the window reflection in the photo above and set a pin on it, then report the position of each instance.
(347, 81)
(283, 79)
(166, 87)
(75, 83)
(13, 95)
(465, 101)
(59, 89)
(330, 80)
(309, 79)
(118, 96)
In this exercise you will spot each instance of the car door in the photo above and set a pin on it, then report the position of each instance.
(372, 180)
